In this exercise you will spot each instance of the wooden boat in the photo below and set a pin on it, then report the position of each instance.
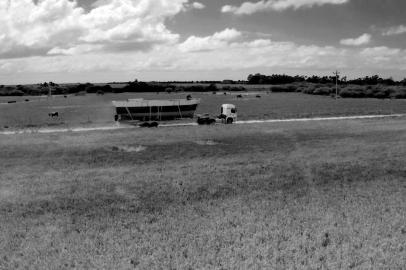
(155, 110)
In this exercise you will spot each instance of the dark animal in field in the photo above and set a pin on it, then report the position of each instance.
(239, 96)
(27, 100)
(53, 114)
(258, 96)
(188, 97)
(12, 101)
(65, 96)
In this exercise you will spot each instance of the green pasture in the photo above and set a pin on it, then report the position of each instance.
(92, 109)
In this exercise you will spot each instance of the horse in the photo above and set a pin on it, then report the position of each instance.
(53, 114)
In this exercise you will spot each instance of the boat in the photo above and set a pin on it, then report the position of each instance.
(155, 110)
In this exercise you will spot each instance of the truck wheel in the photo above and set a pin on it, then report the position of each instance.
(229, 120)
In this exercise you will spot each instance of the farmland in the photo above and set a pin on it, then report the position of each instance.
(93, 109)
(318, 195)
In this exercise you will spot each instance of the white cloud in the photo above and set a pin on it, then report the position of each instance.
(277, 5)
(198, 5)
(216, 41)
(382, 55)
(60, 25)
(61, 38)
(361, 40)
(233, 55)
(395, 30)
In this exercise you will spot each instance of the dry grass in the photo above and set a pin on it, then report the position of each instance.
(279, 196)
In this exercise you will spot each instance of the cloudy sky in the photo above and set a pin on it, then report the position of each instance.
(120, 40)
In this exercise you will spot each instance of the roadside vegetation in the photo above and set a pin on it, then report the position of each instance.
(317, 195)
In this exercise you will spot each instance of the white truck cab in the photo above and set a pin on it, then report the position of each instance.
(228, 113)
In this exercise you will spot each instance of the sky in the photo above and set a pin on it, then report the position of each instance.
(161, 40)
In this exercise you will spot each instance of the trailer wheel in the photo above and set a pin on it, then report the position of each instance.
(145, 125)
(229, 120)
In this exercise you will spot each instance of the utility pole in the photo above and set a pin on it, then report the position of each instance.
(49, 90)
(337, 74)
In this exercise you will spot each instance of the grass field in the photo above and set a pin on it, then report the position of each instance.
(319, 195)
(95, 110)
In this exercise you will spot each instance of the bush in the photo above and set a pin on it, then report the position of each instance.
(399, 93)
(308, 90)
(11, 92)
(381, 93)
(352, 92)
(324, 91)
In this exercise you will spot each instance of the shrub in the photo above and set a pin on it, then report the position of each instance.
(399, 93)
(352, 92)
(308, 90)
(384, 93)
(325, 91)
(15, 92)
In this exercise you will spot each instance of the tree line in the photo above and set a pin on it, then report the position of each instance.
(287, 79)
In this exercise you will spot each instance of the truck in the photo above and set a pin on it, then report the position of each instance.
(228, 115)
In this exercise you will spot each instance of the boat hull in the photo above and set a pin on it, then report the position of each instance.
(155, 110)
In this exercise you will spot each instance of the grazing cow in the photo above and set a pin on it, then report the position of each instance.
(239, 96)
(53, 114)
(188, 97)
(258, 96)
